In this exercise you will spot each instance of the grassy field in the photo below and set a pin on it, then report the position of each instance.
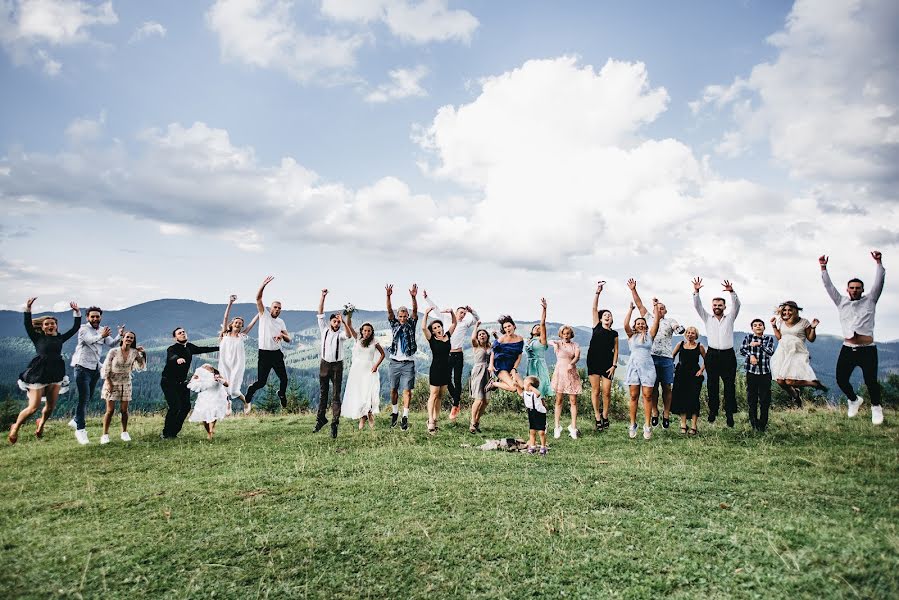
(268, 510)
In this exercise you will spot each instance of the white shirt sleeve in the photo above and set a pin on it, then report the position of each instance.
(831, 290)
(879, 277)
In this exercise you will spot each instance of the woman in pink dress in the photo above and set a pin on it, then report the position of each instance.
(565, 379)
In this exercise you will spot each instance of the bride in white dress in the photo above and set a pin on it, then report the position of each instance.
(791, 363)
(362, 396)
(233, 354)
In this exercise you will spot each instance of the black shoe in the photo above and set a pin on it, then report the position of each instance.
(334, 430)
(666, 423)
(320, 424)
(712, 418)
(599, 425)
(477, 427)
(283, 400)
(393, 418)
(654, 421)
(730, 420)
(605, 423)
(405, 424)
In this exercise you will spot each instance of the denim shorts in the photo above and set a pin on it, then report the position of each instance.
(664, 369)
(402, 374)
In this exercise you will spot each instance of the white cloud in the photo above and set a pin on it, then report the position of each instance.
(28, 27)
(263, 34)
(146, 30)
(418, 22)
(83, 129)
(404, 83)
(828, 104)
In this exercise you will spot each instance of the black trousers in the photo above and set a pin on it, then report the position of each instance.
(329, 373)
(177, 396)
(455, 385)
(268, 360)
(721, 364)
(866, 358)
(758, 396)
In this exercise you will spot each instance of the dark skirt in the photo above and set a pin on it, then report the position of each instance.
(439, 374)
(44, 370)
(685, 395)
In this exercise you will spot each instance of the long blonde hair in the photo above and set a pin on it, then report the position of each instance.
(38, 323)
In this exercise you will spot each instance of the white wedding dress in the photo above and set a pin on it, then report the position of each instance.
(363, 388)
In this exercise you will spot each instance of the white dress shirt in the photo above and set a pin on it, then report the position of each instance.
(719, 332)
(90, 344)
(460, 334)
(269, 327)
(856, 316)
(331, 349)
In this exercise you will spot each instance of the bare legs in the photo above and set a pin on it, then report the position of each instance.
(572, 403)
(110, 411)
(34, 401)
(477, 410)
(434, 399)
(210, 429)
(635, 393)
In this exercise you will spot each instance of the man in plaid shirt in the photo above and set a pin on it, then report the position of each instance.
(758, 347)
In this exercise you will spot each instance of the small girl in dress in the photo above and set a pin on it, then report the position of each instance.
(566, 379)
(533, 402)
(212, 398)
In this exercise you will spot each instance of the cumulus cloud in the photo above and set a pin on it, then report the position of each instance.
(29, 27)
(828, 104)
(404, 83)
(84, 129)
(146, 30)
(418, 22)
(263, 34)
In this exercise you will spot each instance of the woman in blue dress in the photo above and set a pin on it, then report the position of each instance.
(641, 371)
(536, 353)
(506, 355)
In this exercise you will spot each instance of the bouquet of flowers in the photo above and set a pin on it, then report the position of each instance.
(348, 309)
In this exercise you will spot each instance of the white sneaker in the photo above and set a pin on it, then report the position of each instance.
(877, 415)
(81, 436)
(73, 424)
(573, 432)
(104, 439)
(647, 432)
(632, 431)
(557, 432)
(853, 407)
(125, 437)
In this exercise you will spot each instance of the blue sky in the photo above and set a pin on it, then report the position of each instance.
(494, 152)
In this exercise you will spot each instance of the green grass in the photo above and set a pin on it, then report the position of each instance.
(268, 510)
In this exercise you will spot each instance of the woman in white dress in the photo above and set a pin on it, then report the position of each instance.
(790, 363)
(362, 396)
(212, 397)
(233, 354)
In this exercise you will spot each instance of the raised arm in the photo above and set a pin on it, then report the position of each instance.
(455, 322)
(348, 325)
(429, 301)
(632, 284)
(543, 321)
(628, 331)
(835, 295)
(599, 286)
(879, 276)
(259, 305)
(775, 328)
(474, 334)
(252, 324)
(76, 312)
(389, 290)
(654, 329)
(735, 300)
(697, 301)
(424, 324)
(413, 291)
(321, 302)
(231, 300)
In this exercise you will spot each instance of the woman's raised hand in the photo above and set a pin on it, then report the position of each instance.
(29, 303)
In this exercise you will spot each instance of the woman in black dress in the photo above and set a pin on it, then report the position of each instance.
(45, 376)
(602, 360)
(439, 376)
(688, 376)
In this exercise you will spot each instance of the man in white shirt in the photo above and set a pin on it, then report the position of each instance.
(272, 332)
(86, 360)
(466, 318)
(330, 370)
(857, 322)
(720, 359)
(661, 356)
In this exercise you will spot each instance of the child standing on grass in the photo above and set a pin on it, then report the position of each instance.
(758, 347)
(533, 402)
(212, 399)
